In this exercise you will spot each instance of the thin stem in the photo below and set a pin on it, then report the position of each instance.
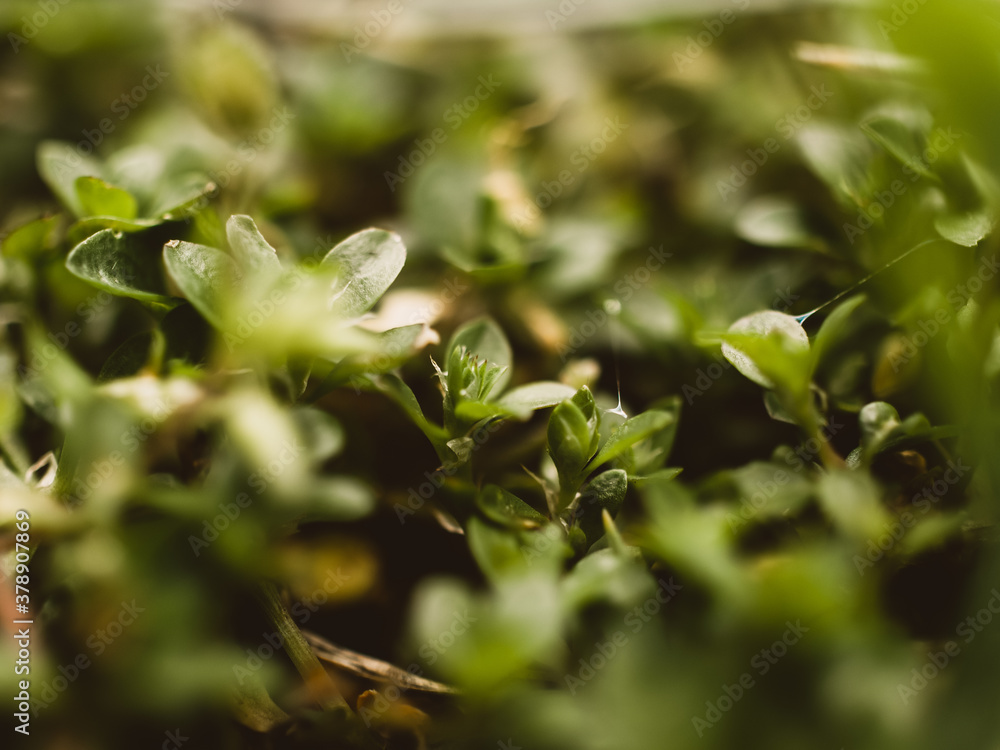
(317, 681)
(614, 308)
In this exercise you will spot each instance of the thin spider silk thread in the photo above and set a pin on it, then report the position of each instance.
(801, 319)
(614, 308)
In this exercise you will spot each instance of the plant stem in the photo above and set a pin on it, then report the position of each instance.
(317, 681)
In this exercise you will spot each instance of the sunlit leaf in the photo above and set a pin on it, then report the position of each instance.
(780, 346)
(98, 198)
(367, 263)
(122, 265)
(630, 432)
(206, 276)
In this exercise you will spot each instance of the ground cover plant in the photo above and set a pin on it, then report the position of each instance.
(544, 375)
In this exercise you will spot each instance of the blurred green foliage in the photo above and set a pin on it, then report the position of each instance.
(657, 411)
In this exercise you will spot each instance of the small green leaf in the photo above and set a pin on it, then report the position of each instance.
(772, 221)
(335, 499)
(570, 441)
(367, 262)
(188, 335)
(474, 411)
(630, 432)
(967, 229)
(507, 509)
(392, 348)
(249, 247)
(901, 132)
(932, 531)
(764, 491)
(851, 500)
(522, 401)
(60, 164)
(770, 341)
(877, 421)
(606, 576)
(662, 475)
(98, 198)
(615, 541)
(128, 359)
(842, 158)
(468, 384)
(584, 399)
(497, 551)
(119, 264)
(604, 492)
(252, 705)
(483, 338)
(694, 541)
(651, 454)
(176, 196)
(833, 329)
(206, 276)
(488, 376)
(322, 434)
(462, 448)
(32, 239)
(777, 408)
(88, 226)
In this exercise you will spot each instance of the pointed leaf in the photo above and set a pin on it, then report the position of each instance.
(128, 359)
(650, 455)
(508, 509)
(833, 328)
(584, 399)
(604, 492)
(901, 132)
(662, 475)
(569, 440)
(483, 338)
(630, 432)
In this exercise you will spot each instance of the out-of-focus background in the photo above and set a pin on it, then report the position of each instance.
(688, 162)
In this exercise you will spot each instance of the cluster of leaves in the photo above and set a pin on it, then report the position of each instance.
(239, 432)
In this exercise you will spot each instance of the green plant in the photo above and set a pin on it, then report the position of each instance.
(285, 483)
